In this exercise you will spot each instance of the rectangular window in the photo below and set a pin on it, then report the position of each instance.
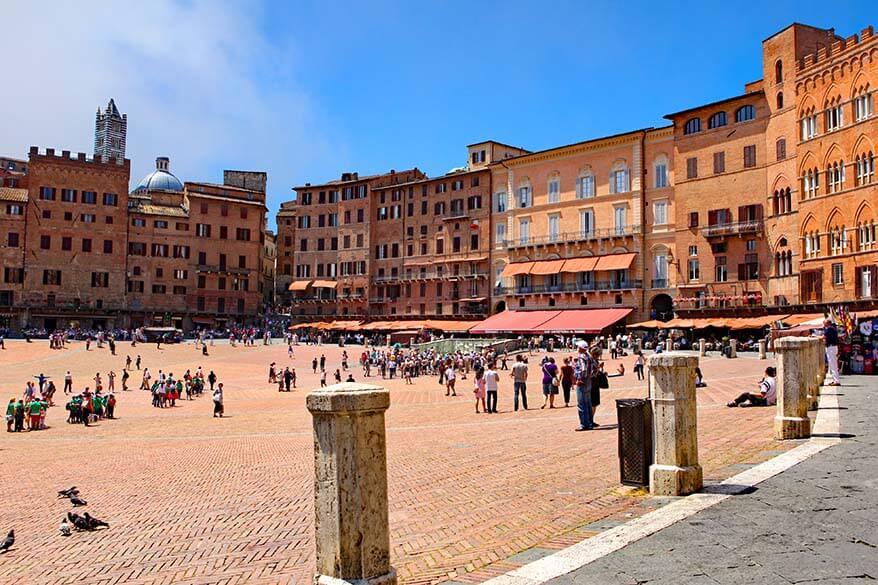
(719, 162)
(781, 149)
(160, 224)
(586, 188)
(554, 227)
(524, 230)
(661, 175)
(693, 219)
(862, 107)
(500, 202)
(501, 233)
(691, 168)
(202, 230)
(750, 156)
(89, 197)
(108, 246)
(47, 193)
(524, 196)
(619, 181)
(586, 223)
(68, 195)
(838, 274)
(111, 199)
(694, 269)
(66, 243)
(834, 118)
(554, 191)
(45, 242)
(12, 240)
(52, 277)
(620, 217)
(87, 218)
(100, 279)
(660, 209)
(722, 273)
(86, 246)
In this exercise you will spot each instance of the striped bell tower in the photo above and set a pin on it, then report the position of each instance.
(111, 128)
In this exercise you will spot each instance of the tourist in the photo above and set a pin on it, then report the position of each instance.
(601, 381)
(218, 400)
(272, 373)
(19, 416)
(350, 377)
(449, 379)
(10, 414)
(314, 365)
(766, 394)
(111, 381)
(322, 361)
(289, 378)
(566, 380)
(68, 382)
(492, 385)
(111, 406)
(830, 340)
(584, 370)
(551, 381)
(322, 378)
(639, 361)
(519, 382)
(699, 378)
(480, 389)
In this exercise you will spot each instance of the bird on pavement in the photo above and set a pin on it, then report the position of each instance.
(78, 521)
(71, 491)
(8, 541)
(93, 522)
(77, 501)
(64, 527)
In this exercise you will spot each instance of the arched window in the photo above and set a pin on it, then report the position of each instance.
(866, 235)
(780, 100)
(745, 113)
(717, 120)
(835, 177)
(692, 126)
(810, 183)
(778, 72)
(865, 165)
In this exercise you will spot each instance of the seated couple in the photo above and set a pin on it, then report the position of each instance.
(766, 395)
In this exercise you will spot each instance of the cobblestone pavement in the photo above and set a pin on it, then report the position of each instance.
(193, 499)
(814, 523)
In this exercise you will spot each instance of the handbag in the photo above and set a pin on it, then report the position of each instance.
(602, 380)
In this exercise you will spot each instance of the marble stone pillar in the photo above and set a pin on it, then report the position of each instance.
(762, 349)
(810, 374)
(702, 348)
(350, 485)
(733, 348)
(791, 421)
(676, 471)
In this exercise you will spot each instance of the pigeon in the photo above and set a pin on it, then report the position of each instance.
(64, 528)
(78, 521)
(77, 501)
(93, 522)
(71, 491)
(8, 541)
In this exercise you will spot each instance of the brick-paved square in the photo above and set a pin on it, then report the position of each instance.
(193, 499)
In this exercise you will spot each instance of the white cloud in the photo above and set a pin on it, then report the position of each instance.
(199, 81)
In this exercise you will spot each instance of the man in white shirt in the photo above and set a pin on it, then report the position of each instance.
(767, 395)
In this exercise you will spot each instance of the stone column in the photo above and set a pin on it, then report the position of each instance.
(791, 421)
(810, 373)
(762, 349)
(350, 485)
(676, 471)
(702, 348)
(733, 348)
(669, 344)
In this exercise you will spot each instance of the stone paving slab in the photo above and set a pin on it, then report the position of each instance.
(814, 523)
(193, 499)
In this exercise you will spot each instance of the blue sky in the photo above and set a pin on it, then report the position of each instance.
(306, 90)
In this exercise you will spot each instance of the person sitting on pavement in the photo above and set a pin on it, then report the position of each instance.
(767, 395)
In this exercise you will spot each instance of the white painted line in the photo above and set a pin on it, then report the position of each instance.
(592, 549)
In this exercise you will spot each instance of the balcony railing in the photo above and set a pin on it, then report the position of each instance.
(568, 287)
(659, 283)
(752, 226)
(568, 237)
(430, 275)
(453, 214)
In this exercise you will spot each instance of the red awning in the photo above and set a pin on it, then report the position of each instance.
(514, 322)
(615, 261)
(547, 267)
(517, 268)
(580, 264)
(584, 320)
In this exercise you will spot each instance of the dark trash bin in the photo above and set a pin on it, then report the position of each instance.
(635, 440)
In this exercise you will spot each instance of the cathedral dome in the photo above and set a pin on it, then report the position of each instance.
(161, 179)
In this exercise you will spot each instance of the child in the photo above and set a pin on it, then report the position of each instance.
(480, 390)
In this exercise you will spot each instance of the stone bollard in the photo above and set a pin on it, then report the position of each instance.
(676, 471)
(350, 485)
(733, 348)
(762, 349)
(791, 421)
(669, 344)
(810, 373)
(702, 348)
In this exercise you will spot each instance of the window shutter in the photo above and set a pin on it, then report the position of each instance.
(759, 211)
(742, 213)
(711, 217)
(858, 285)
(742, 272)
